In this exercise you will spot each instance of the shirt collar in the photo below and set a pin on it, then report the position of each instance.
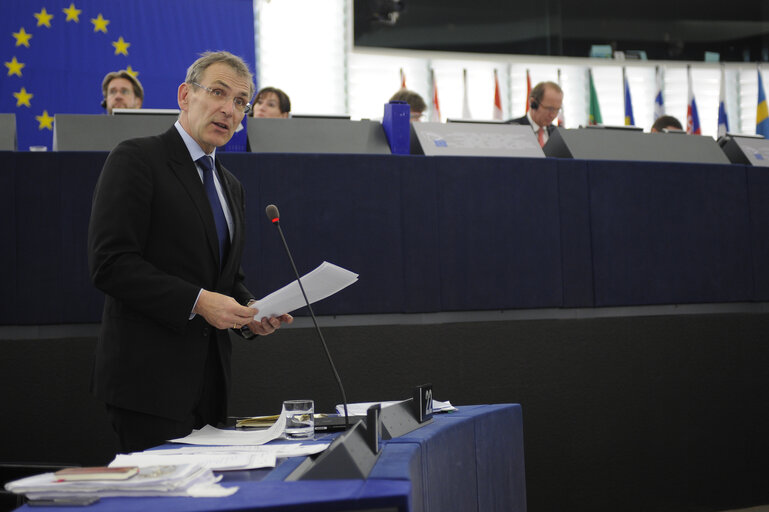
(193, 147)
(534, 126)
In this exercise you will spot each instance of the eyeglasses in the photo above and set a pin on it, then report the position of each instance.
(552, 110)
(220, 94)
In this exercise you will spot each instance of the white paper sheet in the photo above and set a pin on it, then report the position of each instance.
(326, 280)
(215, 461)
(222, 458)
(209, 435)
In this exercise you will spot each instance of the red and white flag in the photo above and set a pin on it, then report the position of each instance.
(528, 89)
(497, 112)
(435, 112)
(403, 79)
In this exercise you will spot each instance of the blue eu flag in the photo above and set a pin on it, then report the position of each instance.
(56, 52)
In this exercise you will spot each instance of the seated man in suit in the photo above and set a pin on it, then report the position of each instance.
(544, 104)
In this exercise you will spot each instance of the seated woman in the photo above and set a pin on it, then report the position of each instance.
(271, 102)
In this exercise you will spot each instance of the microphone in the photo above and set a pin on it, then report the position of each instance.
(274, 216)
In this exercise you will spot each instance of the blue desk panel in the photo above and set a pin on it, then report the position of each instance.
(428, 234)
(470, 460)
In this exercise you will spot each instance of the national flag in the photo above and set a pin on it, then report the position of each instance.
(528, 90)
(465, 99)
(435, 111)
(497, 112)
(56, 53)
(723, 119)
(762, 114)
(594, 113)
(561, 118)
(659, 102)
(692, 118)
(629, 119)
(403, 79)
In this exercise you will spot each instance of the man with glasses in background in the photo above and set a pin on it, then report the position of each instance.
(165, 243)
(121, 89)
(545, 103)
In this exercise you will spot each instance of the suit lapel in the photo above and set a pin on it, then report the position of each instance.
(182, 165)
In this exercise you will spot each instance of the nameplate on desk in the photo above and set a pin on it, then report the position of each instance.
(423, 402)
(614, 144)
(475, 139)
(317, 135)
(746, 150)
(82, 132)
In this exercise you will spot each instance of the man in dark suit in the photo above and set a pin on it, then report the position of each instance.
(165, 242)
(545, 103)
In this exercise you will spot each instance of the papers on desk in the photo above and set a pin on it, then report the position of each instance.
(209, 435)
(163, 480)
(322, 282)
(221, 458)
(361, 408)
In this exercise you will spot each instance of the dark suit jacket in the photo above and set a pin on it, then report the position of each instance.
(525, 120)
(152, 246)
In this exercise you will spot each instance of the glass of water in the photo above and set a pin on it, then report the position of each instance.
(300, 419)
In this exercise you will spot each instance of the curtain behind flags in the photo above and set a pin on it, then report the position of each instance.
(56, 52)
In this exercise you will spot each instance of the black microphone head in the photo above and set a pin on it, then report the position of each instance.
(272, 213)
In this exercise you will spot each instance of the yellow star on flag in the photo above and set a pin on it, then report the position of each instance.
(22, 97)
(100, 24)
(43, 18)
(22, 38)
(131, 71)
(121, 46)
(73, 14)
(45, 121)
(14, 67)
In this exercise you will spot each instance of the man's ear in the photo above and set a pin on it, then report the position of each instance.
(182, 95)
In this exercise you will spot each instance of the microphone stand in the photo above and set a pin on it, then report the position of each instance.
(275, 219)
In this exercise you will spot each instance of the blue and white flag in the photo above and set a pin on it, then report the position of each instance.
(723, 119)
(692, 117)
(57, 52)
(629, 120)
(659, 102)
(762, 114)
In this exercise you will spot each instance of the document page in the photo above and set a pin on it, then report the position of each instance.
(322, 282)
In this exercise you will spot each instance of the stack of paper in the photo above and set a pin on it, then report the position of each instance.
(173, 480)
(221, 458)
